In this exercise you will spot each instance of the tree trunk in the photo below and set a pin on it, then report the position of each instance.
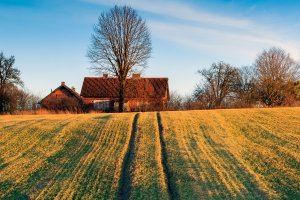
(121, 95)
(2, 101)
(1, 105)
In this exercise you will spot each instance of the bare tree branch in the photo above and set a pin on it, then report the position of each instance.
(219, 82)
(120, 45)
(276, 73)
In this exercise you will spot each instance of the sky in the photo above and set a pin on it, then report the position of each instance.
(50, 38)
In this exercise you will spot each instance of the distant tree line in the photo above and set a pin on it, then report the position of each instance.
(13, 98)
(273, 80)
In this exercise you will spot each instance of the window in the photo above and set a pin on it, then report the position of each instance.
(101, 105)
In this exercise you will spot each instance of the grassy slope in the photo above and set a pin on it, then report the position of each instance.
(63, 156)
(250, 153)
(219, 154)
(146, 173)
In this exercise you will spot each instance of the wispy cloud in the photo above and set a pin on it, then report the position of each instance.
(210, 31)
(179, 11)
(223, 41)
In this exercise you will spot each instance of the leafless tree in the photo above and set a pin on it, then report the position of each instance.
(246, 91)
(297, 90)
(27, 101)
(219, 83)
(17, 100)
(120, 45)
(203, 95)
(9, 75)
(188, 102)
(277, 73)
(175, 102)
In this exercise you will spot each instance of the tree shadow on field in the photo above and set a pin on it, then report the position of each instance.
(125, 186)
(58, 167)
(238, 172)
(106, 117)
(280, 180)
(5, 185)
(15, 194)
(2, 164)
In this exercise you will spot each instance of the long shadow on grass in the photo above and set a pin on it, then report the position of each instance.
(56, 169)
(15, 129)
(280, 180)
(239, 173)
(125, 180)
(2, 164)
(171, 186)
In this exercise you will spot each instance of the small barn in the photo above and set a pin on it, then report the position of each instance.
(141, 94)
(63, 98)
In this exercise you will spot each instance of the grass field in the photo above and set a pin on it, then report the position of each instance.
(217, 154)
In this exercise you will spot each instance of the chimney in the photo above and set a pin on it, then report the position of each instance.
(73, 88)
(105, 75)
(62, 83)
(136, 76)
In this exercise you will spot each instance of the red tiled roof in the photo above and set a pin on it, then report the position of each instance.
(99, 87)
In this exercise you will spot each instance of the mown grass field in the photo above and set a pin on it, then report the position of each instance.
(218, 154)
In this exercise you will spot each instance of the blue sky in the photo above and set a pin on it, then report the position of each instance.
(50, 38)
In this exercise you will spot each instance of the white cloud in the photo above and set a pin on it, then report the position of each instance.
(179, 11)
(218, 41)
(209, 31)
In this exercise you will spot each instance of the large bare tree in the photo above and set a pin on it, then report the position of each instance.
(277, 73)
(120, 45)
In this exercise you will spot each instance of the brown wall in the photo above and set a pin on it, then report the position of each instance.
(62, 99)
(130, 104)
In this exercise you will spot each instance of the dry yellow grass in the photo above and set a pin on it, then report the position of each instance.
(217, 154)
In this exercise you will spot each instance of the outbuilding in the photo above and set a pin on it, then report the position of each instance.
(63, 98)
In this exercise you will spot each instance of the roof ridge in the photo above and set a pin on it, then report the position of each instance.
(127, 78)
(152, 87)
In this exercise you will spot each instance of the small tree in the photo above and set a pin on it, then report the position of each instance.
(188, 102)
(175, 102)
(27, 101)
(120, 45)
(277, 73)
(204, 97)
(297, 90)
(219, 83)
(246, 91)
(9, 76)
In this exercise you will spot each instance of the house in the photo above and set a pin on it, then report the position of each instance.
(102, 93)
(141, 94)
(63, 98)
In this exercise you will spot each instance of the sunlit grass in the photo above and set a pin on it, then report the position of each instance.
(76, 156)
(243, 153)
(146, 171)
(216, 154)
